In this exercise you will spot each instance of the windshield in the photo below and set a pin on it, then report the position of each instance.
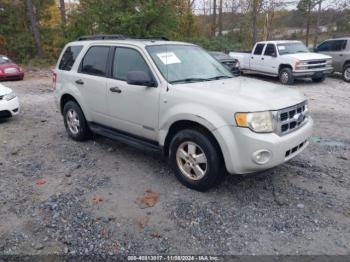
(292, 48)
(186, 64)
(4, 60)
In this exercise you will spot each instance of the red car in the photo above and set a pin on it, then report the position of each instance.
(9, 70)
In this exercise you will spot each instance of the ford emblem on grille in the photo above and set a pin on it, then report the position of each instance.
(299, 118)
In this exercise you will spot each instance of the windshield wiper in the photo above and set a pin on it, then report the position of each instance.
(189, 80)
(218, 77)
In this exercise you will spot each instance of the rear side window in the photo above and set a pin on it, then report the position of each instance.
(338, 45)
(126, 60)
(270, 50)
(259, 48)
(95, 61)
(69, 56)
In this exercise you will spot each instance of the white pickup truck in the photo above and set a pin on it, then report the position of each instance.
(284, 59)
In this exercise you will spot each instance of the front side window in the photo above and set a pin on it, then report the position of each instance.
(69, 57)
(324, 47)
(292, 48)
(270, 50)
(95, 61)
(127, 60)
(258, 49)
(186, 64)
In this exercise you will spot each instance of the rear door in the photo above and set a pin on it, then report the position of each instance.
(255, 58)
(270, 62)
(91, 81)
(133, 108)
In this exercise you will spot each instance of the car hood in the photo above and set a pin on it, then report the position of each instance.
(308, 56)
(242, 94)
(4, 90)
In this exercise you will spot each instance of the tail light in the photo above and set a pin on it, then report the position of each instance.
(54, 80)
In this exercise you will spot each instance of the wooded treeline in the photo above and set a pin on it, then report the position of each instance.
(40, 28)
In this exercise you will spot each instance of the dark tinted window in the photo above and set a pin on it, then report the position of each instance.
(95, 61)
(338, 45)
(69, 57)
(326, 46)
(270, 50)
(259, 48)
(126, 60)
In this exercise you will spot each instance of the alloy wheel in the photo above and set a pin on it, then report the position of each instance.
(191, 160)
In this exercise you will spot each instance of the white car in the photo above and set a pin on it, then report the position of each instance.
(176, 98)
(285, 59)
(9, 103)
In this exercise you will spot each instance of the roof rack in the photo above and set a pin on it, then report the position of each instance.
(101, 37)
(118, 37)
(341, 36)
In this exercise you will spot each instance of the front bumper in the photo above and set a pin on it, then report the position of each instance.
(313, 73)
(18, 76)
(9, 108)
(239, 145)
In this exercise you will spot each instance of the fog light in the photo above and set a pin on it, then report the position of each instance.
(261, 157)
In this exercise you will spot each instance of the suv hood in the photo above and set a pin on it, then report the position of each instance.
(242, 94)
(308, 56)
(4, 90)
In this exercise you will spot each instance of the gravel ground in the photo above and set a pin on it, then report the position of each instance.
(58, 196)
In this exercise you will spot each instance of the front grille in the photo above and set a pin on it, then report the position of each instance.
(292, 118)
(314, 62)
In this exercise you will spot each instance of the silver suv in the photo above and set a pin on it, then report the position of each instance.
(339, 50)
(175, 98)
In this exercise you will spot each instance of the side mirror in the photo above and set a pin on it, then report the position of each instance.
(274, 55)
(139, 78)
(315, 49)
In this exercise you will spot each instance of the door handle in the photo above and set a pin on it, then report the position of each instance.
(341, 55)
(79, 82)
(252, 57)
(115, 90)
(262, 58)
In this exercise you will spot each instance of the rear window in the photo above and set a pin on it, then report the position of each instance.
(69, 56)
(95, 61)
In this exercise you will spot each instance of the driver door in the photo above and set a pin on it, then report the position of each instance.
(132, 108)
(269, 59)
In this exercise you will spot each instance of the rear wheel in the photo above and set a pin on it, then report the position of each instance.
(346, 73)
(196, 160)
(286, 76)
(318, 79)
(75, 122)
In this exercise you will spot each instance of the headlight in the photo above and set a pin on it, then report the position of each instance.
(260, 122)
(329, 61)
(9, 96)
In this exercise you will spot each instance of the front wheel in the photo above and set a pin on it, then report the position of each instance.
(346, 73)
(196, 159)
(286, 76)
(318, 79)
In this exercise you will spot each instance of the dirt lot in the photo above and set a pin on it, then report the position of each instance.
(64, 197)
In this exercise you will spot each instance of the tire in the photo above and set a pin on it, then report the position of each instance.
(318, 79)
(191, 176)
(78, 131)
(286, 76)
(346, 73)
